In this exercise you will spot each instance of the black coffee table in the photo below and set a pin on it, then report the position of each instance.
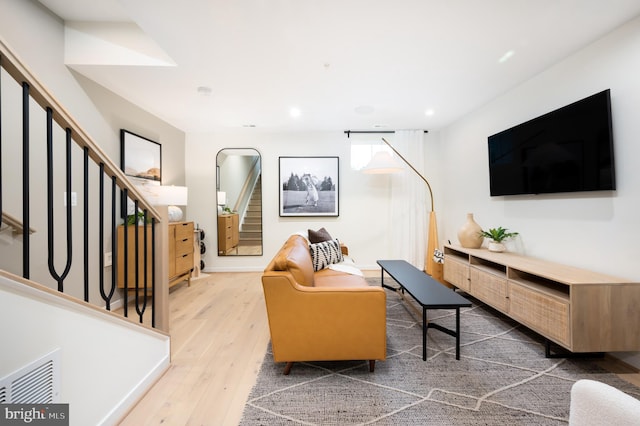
(429, 293)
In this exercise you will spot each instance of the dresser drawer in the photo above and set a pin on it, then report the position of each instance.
(184, 246)
(184, 263)
(184, 230)
(225, 220)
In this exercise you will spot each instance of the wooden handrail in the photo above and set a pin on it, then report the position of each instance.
(17, 69)
(15, 224)
(21, 73)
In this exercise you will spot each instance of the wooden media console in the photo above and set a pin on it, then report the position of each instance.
(580, 310)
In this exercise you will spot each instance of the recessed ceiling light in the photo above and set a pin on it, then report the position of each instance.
(506, 56)
(429, 112)
(248, 125)
(295, 112)
(380, 126)
(205, 90)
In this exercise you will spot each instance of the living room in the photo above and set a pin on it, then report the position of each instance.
(591, 231)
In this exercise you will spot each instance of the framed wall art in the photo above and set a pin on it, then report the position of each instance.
(141, 162)
(309, 186)
(141, 158)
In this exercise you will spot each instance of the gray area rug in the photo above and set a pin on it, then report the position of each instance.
(502, 378)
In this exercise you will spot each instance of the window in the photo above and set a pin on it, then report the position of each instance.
(364, 146)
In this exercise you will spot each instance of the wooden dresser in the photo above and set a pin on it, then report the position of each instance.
(228, 232)
(180, 252)
(180, 259)
(580, 310)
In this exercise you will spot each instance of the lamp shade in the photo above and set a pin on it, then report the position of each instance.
(382, 163)
(166, 195)
(222, 198)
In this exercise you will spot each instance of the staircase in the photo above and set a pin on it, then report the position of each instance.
(251, 228)
(30, 187)
(54, 275)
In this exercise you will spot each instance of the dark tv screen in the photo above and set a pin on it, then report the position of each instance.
(566, 150)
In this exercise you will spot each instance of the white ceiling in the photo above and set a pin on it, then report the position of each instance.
(345, 64)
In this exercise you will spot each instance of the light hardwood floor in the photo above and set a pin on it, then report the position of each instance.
(219, 335)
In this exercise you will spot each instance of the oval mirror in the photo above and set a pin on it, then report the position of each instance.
(239, 201)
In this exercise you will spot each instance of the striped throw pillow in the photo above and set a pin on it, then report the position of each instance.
(325, 253)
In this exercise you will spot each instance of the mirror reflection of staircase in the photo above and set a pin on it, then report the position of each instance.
(251, 226)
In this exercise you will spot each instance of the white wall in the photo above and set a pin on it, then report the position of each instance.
(106, 363)
(94, 350)
(596, 231)
(364, 207)
(101, 113)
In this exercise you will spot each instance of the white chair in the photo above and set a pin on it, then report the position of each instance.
(597, 404)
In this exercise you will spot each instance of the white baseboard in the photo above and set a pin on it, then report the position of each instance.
(119, 412)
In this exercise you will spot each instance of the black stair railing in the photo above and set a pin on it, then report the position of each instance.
(50, 223)
(25, 180)
(146, 252)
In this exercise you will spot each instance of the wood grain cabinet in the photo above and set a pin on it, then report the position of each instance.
(180, 252)
(457, 272)
(228, 232)
(580, 310)
(180, 260)
(131, 257)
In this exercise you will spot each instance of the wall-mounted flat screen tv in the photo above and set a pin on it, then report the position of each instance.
(566, 150)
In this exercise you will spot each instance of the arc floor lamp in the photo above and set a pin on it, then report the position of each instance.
(382, 163)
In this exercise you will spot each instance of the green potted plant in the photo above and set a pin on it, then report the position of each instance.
(136, 219)
(497, 236)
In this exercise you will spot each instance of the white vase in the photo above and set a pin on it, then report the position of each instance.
(469, 235)
(497, 247)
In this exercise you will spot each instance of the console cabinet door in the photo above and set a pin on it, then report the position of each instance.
(131, 253)
(490, 288)
(457, 273)
(545, 314)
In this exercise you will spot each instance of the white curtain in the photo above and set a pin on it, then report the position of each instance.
(410, 202)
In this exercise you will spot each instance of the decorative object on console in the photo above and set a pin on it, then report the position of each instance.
(133, 219)
(168, 195)
(497, 236)
(432, 268)
(438, 256)
(470, 235)
(175, 214)
(222, 200)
